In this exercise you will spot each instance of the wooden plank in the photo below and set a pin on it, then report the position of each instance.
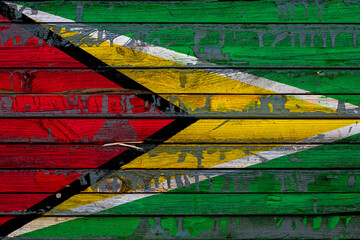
(63, 81)
(202, 131)
(13, 203)
(197, 105)
(79, 130)
(229, 181)
(264, 131)
(48, 156)
(335, 84)
(203, 204)
(343, 156)
(52, 80)
(195, 45)
(200, 11)
(185, 181)
(38, 181)
(83, 106)
(200, 227)
(328, 156)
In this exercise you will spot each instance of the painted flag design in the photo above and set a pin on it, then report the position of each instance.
(198, 147)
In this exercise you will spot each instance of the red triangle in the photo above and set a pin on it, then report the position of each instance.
(31, 52)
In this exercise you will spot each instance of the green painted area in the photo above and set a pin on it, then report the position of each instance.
(317, 81)
(305, 221)
(94, 226)
(232, 45)
(224, 222)
(152, 222)
(317, 223)
(196, 226)
(87, 227)
(169, 224)
(238, 204)
(332, 222)
(330, 83)
(324, 156)
(293, 225)
(242, 11)
(348, 219)
(278, 181)
(279, 222)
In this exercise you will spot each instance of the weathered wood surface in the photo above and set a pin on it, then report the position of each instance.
(79, 130)
(176, 181)
(183, 81)
(210, 227)
(195, 105)
(328, 11)
(189, 156)
(291, 227)
(194, 204)
(47, 156)
(196, 45)
(248, 131)
(224, 119)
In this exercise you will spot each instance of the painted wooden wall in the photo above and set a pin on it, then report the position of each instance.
(180, 119)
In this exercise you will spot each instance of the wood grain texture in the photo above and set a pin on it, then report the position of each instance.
(186, 181)
(189, 156)
(201, 227)
(52, 80)
(182, 81)
(79, 130)
(261, 131)
(236, 120)
(194, 105)
(203, 131)
(232, 45)
(47, 156)
(206, 204)
(299, 156)
(201, 11)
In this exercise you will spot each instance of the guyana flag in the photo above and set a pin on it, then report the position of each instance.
(179, 119)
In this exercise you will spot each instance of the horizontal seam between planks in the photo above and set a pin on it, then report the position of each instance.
(199, 67)
(17, 94)
(188, 193)
(233, 170)
(194, 23)
(353, 213)
(279, 144)
(270, 117)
